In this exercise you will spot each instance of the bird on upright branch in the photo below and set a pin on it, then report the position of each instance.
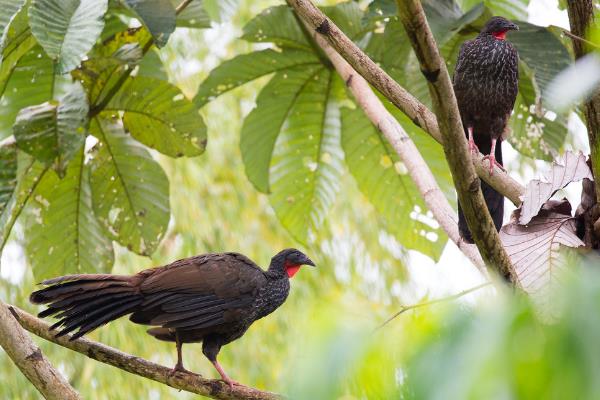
(210, 298)
(486, 82)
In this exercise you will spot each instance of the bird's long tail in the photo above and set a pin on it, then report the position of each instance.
(493, 199)
(86, 301)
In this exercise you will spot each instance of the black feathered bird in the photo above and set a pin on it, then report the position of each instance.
(210, 298)
(486, 82)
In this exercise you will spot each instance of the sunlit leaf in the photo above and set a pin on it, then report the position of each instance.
(571, 168)
(263, 124)
(53, 131)
(306, 164)
(193, 16)
(247, 67)
(575, 83)
(67, 29)
(8, 9)
(384, 180)
(158, 115)
(130, 191)
(64, 237)
(220, 10)
(276, 25)
(157, 15)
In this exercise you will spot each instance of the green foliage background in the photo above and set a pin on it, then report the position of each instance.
(358, 226)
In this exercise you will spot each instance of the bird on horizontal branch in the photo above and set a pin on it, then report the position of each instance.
(211, 298)
(486, 82)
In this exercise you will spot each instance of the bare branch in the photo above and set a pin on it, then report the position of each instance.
(405, 148)
(404, 309)
(466, 182)
(407, 103)
(215, 389)
(30, 360)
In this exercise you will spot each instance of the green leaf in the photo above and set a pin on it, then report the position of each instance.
(193, 16)
(247, 67)
(8, 174)
(511, 9)
(52, 132)
(16, 42)
(263, 124)
(8, 10)
(63, 236)
(220, 10)
(158, 115)
(30, 83)
(276, 25)
(29, 174)
(384, 180)
(67, 29)
(542, 52)
(130, 191)
(307, 162)
(158, 16)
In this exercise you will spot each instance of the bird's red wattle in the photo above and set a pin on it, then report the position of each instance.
(291, 269)
(500, 35)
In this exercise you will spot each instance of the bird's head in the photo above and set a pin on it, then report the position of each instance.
(289, 261)
(498, 26)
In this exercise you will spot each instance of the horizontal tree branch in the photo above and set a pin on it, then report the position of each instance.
(406, 102)
(215, 389)
(30, 360)
(465, 179)
(406, 149)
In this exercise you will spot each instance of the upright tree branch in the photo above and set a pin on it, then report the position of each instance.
(215, 389)
(407, 103)
(457, 153)
(405, 148)
(581, 17)
(30, 360)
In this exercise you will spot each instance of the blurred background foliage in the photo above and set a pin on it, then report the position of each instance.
(324, 343)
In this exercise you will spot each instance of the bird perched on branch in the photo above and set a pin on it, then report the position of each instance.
(486, 82)
(210, 298)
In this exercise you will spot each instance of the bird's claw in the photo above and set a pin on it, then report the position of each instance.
(492, 160)
(473, 147)
(231, 383)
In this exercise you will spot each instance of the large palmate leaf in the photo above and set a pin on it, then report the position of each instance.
(8, 174)
(247, 67)
(67, 29)
(276, 25)
(512, 9)
(130, 191)
(572, 168)
(264, 123)
(307, 161)
(383, 179)
(158, 115)
(157, 15)
(53, 132)
(64, 237)
(30, 83)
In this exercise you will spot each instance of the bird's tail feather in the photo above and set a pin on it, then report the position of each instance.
(493, 199)
(86, 302)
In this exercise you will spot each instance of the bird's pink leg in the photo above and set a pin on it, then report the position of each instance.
(492, 158)
(224, 376)
(472, 146)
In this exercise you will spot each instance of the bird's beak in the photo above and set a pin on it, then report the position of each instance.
(514, 27)
(308, 261)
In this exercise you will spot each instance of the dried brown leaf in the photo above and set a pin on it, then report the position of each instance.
(572, 168)
(534, 249)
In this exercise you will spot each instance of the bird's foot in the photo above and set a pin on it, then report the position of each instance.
(492, 159)
(231, 382)
(473, 147)
(179, 368)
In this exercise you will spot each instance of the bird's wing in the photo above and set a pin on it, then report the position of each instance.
(460, 60)
(199, 292)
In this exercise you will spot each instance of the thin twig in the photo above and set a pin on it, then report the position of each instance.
(189, 382)
(31, 361)
(573, 36)
(455, 296)
(182, 6)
